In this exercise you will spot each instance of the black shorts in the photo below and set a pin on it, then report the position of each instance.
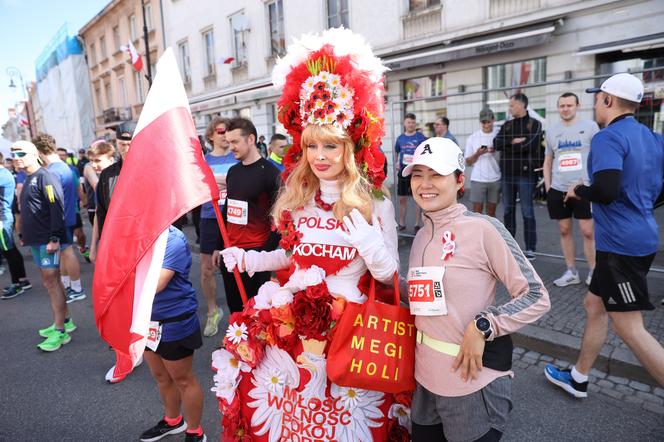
(403, 186)
(621, 282)
(580, 209)
(180, 349)
(210, 236)
(79, 221)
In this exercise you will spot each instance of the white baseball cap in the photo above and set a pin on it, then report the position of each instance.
(623, 85)
(25, 146)
(441, 154)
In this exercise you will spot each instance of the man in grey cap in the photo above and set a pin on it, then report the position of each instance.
(480, 153)
(626, 171)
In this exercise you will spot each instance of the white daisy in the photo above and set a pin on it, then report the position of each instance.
(401, 413)
(237, 333)
(224, 386)
(275, 382)
(323, 75)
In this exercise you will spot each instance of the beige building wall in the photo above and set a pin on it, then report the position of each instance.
(118, 91)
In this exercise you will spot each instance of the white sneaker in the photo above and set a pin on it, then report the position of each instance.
(589, 278)
(568, 278)
(111, 379)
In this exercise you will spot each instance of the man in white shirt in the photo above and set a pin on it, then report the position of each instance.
(565, 164)
(485, 177)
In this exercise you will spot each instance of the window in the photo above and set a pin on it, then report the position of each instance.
(337, 13)
(239, 28)
(93, 54)
(514, 75)
(183, 56)
(123, 92)
(429, 100)
(414, 5)
(277, 33)
(208, 46)
(102, 47)
(109, 95)
(132, 27)
(116, 37)
(148, 16)
(139, 86)
(275, 124)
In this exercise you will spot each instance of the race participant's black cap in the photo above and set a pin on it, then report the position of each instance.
(125, 131)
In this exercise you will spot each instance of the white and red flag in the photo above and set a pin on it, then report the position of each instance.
(136, 59)
(164, 175)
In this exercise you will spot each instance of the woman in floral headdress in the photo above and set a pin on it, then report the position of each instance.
(338, 229)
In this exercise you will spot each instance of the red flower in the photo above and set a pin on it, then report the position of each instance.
(309, 105)
(397, 433)
(341, 117)
(320, 86)
(312, 310)
(232, 410)
(319, 113)
(330, 106)
(290, 236)
(325, 95)
(236, 429)
(404, 398)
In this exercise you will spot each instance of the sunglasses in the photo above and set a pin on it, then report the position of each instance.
(18, 154)
(220, 131)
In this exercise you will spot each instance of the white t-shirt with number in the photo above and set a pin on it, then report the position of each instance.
(486, 169)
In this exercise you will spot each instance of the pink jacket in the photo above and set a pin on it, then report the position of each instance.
(485, 253)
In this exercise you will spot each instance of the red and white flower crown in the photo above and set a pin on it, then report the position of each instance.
(333, 78)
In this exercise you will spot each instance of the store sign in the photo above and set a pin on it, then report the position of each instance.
(494, 47)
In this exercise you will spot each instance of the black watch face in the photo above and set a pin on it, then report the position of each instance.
(483, 324)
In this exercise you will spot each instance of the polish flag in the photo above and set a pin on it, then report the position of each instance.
(164, 176)
(136, 59)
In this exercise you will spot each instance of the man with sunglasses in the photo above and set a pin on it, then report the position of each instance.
(43, 229)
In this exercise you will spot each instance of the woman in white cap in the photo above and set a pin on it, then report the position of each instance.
(464, 353)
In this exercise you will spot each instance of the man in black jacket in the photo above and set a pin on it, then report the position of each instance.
(520, 143)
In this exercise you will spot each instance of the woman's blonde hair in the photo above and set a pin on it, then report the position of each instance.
(302, 185)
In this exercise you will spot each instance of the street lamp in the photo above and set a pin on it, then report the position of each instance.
(16, 72)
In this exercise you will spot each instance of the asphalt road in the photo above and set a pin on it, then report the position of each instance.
(62, 396)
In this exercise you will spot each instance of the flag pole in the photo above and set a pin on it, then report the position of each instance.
(224, 237)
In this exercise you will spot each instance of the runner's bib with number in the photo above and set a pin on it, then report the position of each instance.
(237, 212)
(570, 162)
(425, 291)
(154, 335)
(407, 159)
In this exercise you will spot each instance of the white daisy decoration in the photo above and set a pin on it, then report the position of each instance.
(225, 386)
(401, 413)
(237, 333)
(276, 382)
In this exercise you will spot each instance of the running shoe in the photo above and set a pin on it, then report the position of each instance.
(12, 291)
(25, 285)
(589, 278)
(46, 332)
(162, 429)
(85, 253)
(54, 341)
(212, 324)
(72, 295)
(195, 438)
(568, 278)
(530, 255)
(564, 380)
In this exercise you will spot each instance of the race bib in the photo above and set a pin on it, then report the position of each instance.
(407, 159)
(570, 162)
(237, 212)
(154, 335)
(222, 197)
(426, 295)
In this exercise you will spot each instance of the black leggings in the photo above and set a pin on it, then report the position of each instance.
(15, 263)
(431, 433)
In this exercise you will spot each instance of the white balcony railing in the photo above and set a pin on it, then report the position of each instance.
(502, 8)
(422, 22)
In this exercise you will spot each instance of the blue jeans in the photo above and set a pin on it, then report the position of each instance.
(525, 187)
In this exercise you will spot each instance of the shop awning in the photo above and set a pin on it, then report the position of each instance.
(473, 48)
(630, 44)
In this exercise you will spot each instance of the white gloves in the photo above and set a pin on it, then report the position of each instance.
(233, 257)
(369, 240)
(252, 261)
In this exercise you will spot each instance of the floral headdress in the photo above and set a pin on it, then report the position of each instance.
(333, 78)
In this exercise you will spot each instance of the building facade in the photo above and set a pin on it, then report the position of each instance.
(118, 90)
(446, 58)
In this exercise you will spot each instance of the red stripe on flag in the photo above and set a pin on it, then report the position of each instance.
(163, 177)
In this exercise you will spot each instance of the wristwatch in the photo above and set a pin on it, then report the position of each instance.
(483, 325)
(54, 239)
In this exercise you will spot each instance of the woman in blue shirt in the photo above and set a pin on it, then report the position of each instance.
(174, 335)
